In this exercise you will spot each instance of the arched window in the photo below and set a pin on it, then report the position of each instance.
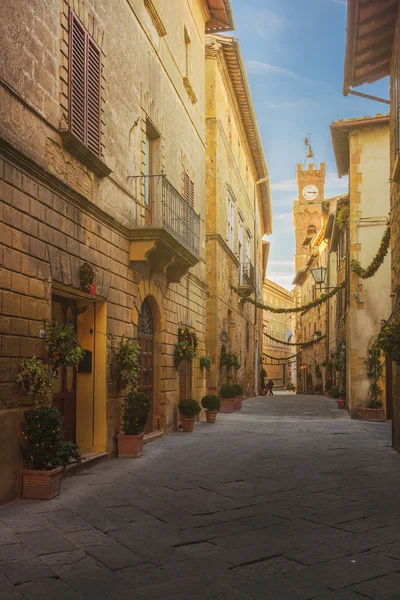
(145, 322)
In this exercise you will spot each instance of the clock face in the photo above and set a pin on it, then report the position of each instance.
(310, 192)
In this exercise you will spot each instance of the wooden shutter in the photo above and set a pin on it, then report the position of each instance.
(77, 78)
(189, 190)
(93, 97)
(85, 86)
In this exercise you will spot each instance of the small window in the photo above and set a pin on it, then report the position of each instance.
(85, 86)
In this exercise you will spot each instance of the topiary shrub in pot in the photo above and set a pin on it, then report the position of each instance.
(135, 414)
(237, 401)
(188, 408)
(211, 405)
(45, 451)
(227, 394)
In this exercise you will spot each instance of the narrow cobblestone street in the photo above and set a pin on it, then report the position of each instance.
(288, 499)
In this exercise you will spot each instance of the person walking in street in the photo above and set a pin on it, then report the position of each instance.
(270, 385)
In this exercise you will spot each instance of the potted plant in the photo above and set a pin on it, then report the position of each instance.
(318, 388)
(35, 380)
(263, 387)
(62, 346)
(189, 409)
(334, 392)
(135, 414)
(127, 359)
(227, 394)
(238, 399)
(45, 451)
(205, 362)
(374, 410)
(290, 387)
(211, 405)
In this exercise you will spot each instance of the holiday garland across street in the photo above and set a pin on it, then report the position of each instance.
(323, 298)
(285, 358)
(377, 260)
(302, 344)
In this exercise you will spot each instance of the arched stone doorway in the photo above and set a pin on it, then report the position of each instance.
(145, 334)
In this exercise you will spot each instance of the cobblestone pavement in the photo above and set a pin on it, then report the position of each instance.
(287, 500)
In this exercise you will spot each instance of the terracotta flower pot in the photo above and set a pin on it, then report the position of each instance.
(130, 446)
(226, 405)
(187, 424)
(371, 414)
(340, 402)
(211, 415)
(237, 403)
(41, 485)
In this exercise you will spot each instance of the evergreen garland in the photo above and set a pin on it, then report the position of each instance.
(287, 358)
(378, 259)
(302, 344)
(323, 298)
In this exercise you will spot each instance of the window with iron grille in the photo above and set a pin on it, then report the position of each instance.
(85, 86)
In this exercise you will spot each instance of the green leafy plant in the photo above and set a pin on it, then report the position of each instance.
(334, 392)
(376, 262)
(318, 373)
(127, 358)
(227, 391)
(318, 388)
(211, 402)
(135, 412)
(290, 387)
(186, 348)
(263, 376)
(329, 366)
(43, 439)
(205, 362)
(189, 408)
(339, 356)
(389, 339)
(238, 388)
(342, 215)
(328, 384)
(229, 359)
(36, 380)
(62, 346)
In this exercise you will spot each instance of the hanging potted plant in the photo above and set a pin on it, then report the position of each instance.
(135, 414)
(238, 399)
(227, 394)
(189, 409)
(45, 451)
(205, 362)
(211, 405)
(127, 359)
(62, 346)
(35, 380)
(186, 347)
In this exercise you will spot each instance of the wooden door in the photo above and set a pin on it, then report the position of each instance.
(146, 357)
(64, 397)
(185, 380)
(389, 389)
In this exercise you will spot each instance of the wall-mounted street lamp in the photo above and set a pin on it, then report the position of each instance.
(319, 276)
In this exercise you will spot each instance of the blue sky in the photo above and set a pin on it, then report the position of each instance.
(294, 54)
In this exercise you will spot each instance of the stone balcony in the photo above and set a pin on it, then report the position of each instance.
(247, 280)
(167, 233)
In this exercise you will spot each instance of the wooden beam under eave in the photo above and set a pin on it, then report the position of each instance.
(368, 60)
(379, 72)
(384, 16)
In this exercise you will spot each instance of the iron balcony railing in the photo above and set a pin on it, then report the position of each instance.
(247, 274)
(162, 206)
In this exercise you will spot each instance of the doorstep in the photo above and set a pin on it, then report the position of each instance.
(154, 435)
(89, 460)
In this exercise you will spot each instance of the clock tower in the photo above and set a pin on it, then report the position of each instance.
(307, 209)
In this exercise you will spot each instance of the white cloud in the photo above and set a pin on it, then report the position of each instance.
(333, 185)
(282, 216)
(280, 263)
(344, 2)
(263, 22)
(282, 105)
(286, 185)
(256, 67)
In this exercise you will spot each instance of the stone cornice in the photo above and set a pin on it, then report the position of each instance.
(218, 238)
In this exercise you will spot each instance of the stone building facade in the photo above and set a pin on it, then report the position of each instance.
(361, 149)
(238, 215)
(113, 176)
(280, 326)
(382, 31)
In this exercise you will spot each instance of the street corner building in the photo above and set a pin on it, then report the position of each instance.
(102, 146)
(238, 216)
(372, 53)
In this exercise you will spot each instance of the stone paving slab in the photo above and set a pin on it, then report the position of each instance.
(287, 499)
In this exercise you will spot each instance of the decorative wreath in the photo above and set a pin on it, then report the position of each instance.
(188, 342)
(87, 279)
